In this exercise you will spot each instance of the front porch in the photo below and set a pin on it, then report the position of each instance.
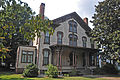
(67, 58)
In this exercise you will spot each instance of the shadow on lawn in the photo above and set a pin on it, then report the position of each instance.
(16, 79)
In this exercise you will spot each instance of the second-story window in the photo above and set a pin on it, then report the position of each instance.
(73, 40)
(84, 40)
(92, 43)
(47, 38)
(72, 26)
(59, 37)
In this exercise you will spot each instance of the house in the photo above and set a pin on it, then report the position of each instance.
(70, 47)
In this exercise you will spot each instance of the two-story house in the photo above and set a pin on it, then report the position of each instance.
(70, 46)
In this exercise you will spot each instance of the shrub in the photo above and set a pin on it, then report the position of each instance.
(30, 71)
(66, 75)
(52, 71)
(110, 69)
(98, 71)
(73, 73)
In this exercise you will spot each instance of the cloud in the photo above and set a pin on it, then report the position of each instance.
(58, 8)
(87, 9)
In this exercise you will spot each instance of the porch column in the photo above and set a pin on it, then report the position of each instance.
(74, 59)
(86, 59)
(60, 63)
(58, 57)
(95, 60)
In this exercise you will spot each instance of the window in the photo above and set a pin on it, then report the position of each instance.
(27, 57)
(84, 40)
(47, 38)
(59, 37)
(73, 40)
(45, 56)
(92, 43)
(72, 26)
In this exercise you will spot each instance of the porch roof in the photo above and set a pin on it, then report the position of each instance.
(71, 47)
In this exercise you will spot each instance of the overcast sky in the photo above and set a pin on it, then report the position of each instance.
(58, 8)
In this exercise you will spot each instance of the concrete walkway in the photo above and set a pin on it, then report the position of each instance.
(109, 77)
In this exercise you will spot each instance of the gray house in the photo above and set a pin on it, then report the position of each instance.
(70, 47)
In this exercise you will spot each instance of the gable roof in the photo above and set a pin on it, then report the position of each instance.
(76, 17)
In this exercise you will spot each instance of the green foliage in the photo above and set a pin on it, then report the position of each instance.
(107, 28)
(18, 26)
(98, 71)
(110, 69)
(30, 71)
(106, 69)
(13, 14)
(12, 76)
(52, 71)
(35, 26)
(66, 75)
(73, 73)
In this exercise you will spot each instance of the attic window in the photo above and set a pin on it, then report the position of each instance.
(72, 26)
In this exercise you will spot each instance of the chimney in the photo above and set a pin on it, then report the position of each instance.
(42, 9)
(86, 20)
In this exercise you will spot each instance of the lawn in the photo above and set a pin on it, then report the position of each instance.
(11, 76)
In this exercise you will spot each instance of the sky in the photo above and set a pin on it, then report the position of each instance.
(58, 8)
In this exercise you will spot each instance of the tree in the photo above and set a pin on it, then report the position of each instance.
(107, 28)
(18, 26)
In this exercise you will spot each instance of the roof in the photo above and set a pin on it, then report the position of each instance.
(76, 17)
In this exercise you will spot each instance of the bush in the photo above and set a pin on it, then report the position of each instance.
(30, 71)
(110, 69)
(66, 75)
(106, 69)
(98, 71)
(73, 73)
(52, 71)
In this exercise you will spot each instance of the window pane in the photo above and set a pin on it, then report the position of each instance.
(70, 43)
(70, 26)
(75, 28)
(47, 34)
(46, 39)
(30, 52)
(45, 53)
(45, 60)
(29, 58)
(75, 43)
(24, 52)
(24, 58)
(59, 41)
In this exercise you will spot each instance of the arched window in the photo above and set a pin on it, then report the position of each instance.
(59, 37)
(72, 26)
(46, 56)
(84, 40)
(47, 38)
(73, 40)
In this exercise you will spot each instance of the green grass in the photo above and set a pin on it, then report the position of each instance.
(11, 76)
